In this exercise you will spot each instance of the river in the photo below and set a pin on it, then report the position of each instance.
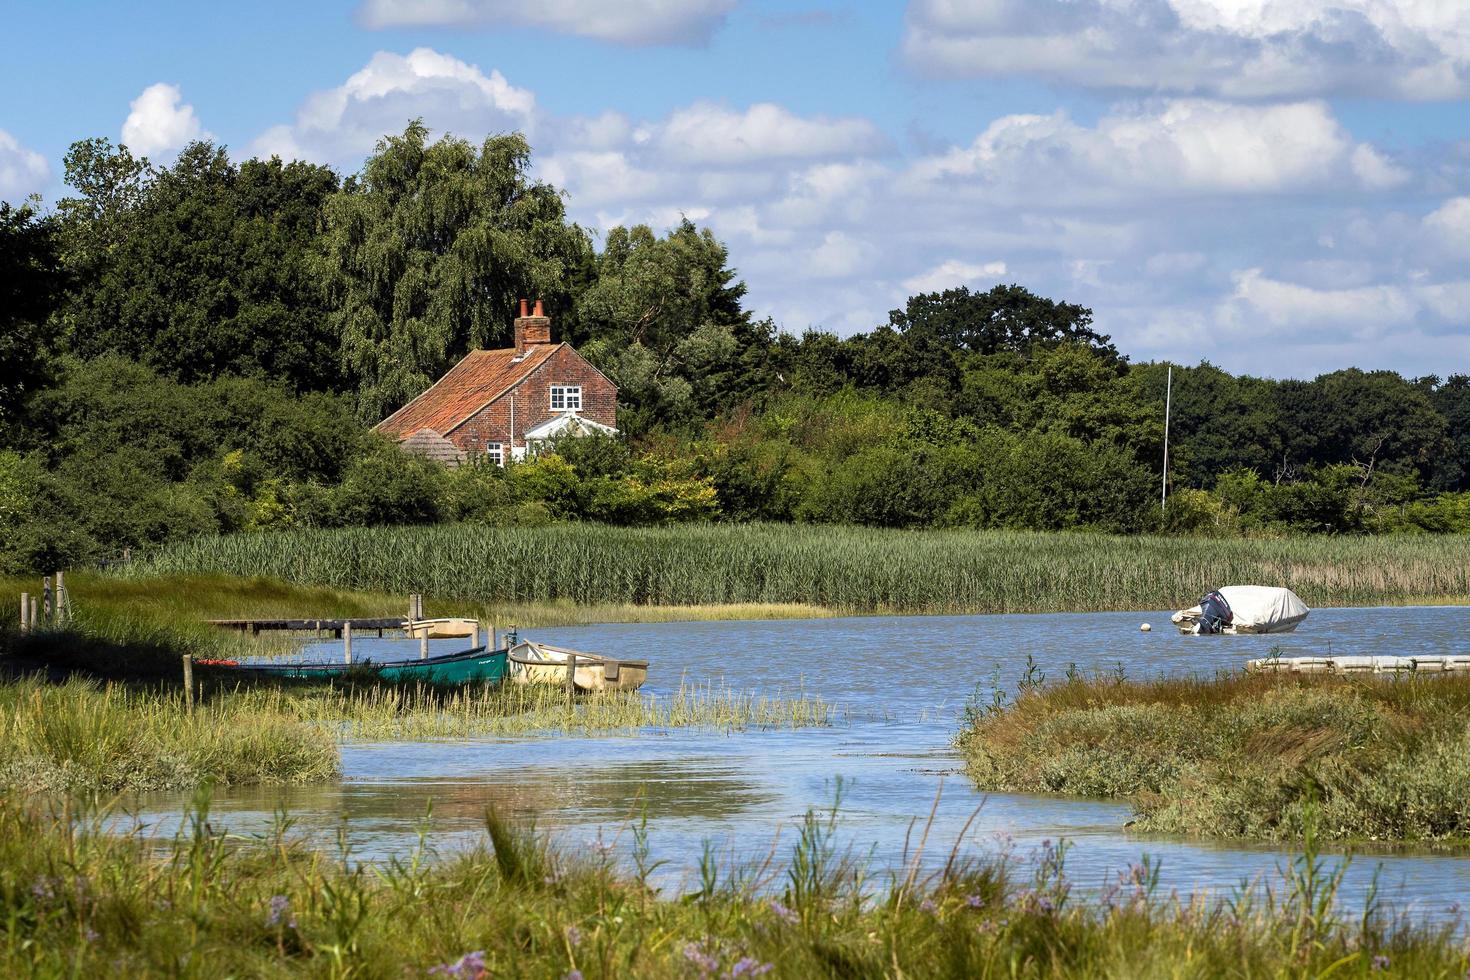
(900, 684)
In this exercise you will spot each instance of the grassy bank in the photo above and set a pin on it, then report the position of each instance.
(842, 568)
(78, 902)
(1244, 756)
(82, 737)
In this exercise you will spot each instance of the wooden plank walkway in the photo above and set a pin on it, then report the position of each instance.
(1360, 665)
(321, 626)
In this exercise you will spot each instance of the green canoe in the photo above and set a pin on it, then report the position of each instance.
(478, 664)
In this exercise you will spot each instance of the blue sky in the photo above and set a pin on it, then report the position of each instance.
(1282, 186)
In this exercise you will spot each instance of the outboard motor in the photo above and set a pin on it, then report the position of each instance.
(1214, 614)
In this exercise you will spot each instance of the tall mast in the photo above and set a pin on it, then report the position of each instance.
(1168, 405)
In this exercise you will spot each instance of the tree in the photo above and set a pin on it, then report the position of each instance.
(428, 251)
(1004, 318)
(214, 274)
(31, 283)
(1452, 398)
(1362, 416)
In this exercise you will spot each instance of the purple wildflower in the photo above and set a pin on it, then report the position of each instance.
(784, 914)
(90, 934)
(703, 961)
(975, 902)
(470, 966)
(1380, 962)
(748, 966)
(44, 887)
(927, 905)
(574, 975)
(279, 905)
(574, 935)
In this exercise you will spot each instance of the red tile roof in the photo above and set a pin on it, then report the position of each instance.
(476, 381)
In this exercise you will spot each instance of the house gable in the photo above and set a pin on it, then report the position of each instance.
(527, 403)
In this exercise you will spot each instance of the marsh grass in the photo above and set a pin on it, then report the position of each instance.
(80, 901)
(1243, 755)
(840, 568)
(86, 737)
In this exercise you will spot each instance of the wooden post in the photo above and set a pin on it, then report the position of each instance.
(35, 613)
(475, 635)
(62, 603)
(25, 611)
(47, 600)
(189, 683)
(424, 645)
(347, 641)
(571, 676)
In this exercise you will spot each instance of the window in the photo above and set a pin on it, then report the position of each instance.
(495, 453)
(566, 398)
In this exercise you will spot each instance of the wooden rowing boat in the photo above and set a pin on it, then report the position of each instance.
(445, 628)
(467, 666)
(539, 663)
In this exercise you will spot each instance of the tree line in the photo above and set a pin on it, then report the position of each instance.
(204, 346)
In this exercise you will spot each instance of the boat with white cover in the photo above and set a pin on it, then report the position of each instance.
(1241, 609)
(540, 663)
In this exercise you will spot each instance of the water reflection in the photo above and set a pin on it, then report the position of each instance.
(904, 681)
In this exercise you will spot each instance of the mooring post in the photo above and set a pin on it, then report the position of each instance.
(189, 683)
(571, 677)
(475, 635)
(25, 611)
(424, 645)
(62, 603)
(347, 641)
(35, 613)
(47, 599)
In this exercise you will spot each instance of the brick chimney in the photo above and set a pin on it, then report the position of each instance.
(532, 329)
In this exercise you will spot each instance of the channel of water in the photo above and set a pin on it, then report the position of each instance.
(900, 684)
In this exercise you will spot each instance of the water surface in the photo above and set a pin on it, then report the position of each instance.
(901, 683)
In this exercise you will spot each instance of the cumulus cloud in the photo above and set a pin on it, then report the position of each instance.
(710, 134)
(953, 272)
(1412, 49)
(637, 22)
(22, 171)
(1181, 146)
(1449, 225)
(160, 122)
(342, 124)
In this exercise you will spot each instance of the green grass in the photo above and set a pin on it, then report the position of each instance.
(76, 900)
(840, 568)
(1243, 756)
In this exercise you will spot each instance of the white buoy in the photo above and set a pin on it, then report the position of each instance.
(1145, 628)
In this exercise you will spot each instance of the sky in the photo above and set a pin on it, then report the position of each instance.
(1281, 187)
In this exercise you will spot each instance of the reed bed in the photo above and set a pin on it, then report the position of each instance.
(1243, 755)
(84, 737)
(76, 900)
(841, 568)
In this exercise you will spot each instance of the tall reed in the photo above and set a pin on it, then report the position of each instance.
(844, 568)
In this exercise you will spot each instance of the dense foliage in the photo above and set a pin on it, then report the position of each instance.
(196, 348)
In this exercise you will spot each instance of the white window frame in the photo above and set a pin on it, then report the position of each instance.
(495, 452)
(569, 396)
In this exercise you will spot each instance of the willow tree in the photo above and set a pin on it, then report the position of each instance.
(428, 250)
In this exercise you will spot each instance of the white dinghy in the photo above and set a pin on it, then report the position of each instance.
(538, 663)
(1240, 609)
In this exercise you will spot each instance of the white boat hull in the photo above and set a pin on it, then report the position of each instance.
(536, 663)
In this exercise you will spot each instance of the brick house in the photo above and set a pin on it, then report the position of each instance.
(503, 403)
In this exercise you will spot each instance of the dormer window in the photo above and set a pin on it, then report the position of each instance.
(566, 398)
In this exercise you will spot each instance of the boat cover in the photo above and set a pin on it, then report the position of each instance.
(1263, 606)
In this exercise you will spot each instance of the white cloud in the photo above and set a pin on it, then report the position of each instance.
(1450, 225)
(1371, 308)
(160, 122)
(637, 22)
(1413, 49)
(342, 124)
(1181, 146)
(711, 134)
(951, 273)
(22, 171)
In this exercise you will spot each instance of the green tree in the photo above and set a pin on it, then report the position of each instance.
(1002, 318)
(428, 251)
(31, 284)
(216, 274)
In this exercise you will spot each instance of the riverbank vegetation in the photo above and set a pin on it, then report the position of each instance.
(201, 347)
(77, 900)
(1242, 755)
(847, 569)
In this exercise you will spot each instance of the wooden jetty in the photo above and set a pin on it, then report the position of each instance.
(1360, 665)
(319, 626)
